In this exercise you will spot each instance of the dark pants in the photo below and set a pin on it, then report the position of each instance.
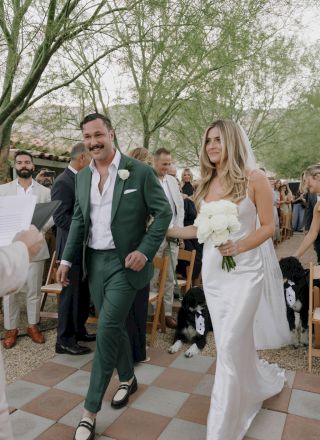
(316, 246)
(112, 296)
(137, 324)
(73, 308)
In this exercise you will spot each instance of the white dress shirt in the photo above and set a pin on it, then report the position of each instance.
(24, 192)
(166, 189)
(72, 169)
(100, 236)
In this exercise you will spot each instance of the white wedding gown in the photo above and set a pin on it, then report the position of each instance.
(242, 381)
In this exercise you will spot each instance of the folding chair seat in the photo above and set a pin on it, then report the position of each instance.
(314, 314)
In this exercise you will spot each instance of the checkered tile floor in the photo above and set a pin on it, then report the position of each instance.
(171, 403)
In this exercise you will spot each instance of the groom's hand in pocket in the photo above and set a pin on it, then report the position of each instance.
(135, 261)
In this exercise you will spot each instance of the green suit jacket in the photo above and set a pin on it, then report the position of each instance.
(129, 214)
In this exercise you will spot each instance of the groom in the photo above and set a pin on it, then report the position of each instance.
(115, 196)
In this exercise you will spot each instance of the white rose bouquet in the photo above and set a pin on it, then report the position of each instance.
(215, 222)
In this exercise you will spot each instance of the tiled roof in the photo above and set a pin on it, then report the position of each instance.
(41, 155)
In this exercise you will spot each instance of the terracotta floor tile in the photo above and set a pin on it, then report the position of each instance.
(212, 369)
(280, 402)
(53, 404)
(307, 382)
(161, 357)
(136, 424)
(301, 428)
(49, 374)
(178, 380)
(195, 409)
(57, 431)
(87, 367)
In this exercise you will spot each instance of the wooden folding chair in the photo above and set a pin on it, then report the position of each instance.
(185, 284)
(52, 288)
(190, 256)
(160, 263)
(314, 314)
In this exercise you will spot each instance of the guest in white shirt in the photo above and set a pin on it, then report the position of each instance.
(26, 186)
(162, 164)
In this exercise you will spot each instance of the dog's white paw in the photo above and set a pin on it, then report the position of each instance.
(304, 338)
(192, 351)
(175, 347)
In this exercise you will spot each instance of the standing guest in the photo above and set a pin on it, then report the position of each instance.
(14, 263)
(45, 178)
(162, 162)
(299, 207)
(312, 176)
(186, 182)
(25, 185)
(138, 314)
(285, 208)
(242, 382)
(311, 200)
(73, 309)
(172, 171)
(277, 186)
(115, 195)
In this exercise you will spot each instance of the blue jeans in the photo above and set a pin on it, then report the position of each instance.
(297, 217)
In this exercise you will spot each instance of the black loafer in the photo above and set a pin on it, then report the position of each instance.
(72, 349)
(89, 426)
(87, 337)
(129, 389)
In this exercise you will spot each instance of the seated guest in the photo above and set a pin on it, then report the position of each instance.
(75, 298)
(186, 182)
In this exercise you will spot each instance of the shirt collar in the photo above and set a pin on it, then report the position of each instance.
(30, 186)
(72, 169)
(115, 162)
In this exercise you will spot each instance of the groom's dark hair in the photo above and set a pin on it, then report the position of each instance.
(93, 117)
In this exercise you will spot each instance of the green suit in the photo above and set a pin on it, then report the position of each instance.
(112, 286)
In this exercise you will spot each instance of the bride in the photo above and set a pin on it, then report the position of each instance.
(242, 381)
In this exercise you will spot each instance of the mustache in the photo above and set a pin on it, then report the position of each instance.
(96, 147)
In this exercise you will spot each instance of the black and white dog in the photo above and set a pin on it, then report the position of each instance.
(296, 292)
(193, 323)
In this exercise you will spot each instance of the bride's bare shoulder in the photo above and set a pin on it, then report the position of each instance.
(256, 174)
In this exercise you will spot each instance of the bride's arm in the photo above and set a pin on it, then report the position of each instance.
(188, 232)
(264, 202)
(312, 234)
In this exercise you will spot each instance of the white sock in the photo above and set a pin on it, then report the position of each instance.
(121, 393)
(83, 433)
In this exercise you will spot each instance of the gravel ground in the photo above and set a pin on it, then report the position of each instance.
(26, 356)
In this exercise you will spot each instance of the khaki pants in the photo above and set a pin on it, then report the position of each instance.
(169, 285)
(31, 290)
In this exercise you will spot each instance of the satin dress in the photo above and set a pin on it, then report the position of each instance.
(242, 381)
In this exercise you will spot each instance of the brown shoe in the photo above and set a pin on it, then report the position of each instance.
(35, 334)
(10, 338)
(171, 322)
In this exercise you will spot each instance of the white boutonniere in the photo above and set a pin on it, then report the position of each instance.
(124, 174)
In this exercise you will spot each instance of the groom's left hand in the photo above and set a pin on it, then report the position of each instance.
(135, 261)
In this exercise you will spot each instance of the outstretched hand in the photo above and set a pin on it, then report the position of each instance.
(136, 261)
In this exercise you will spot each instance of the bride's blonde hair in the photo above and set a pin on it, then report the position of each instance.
(234, 154)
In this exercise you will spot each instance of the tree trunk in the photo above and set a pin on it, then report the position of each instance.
(5, 135)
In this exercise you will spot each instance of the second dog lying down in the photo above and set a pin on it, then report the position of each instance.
(193, 323)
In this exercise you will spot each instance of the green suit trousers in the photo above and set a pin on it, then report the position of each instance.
(112, 296)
